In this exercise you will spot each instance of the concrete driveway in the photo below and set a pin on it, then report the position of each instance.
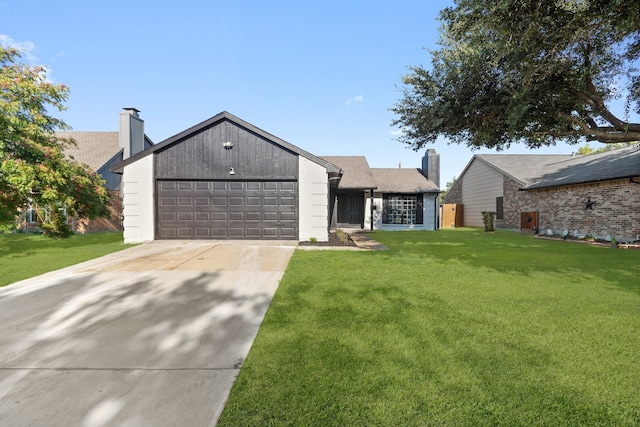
(154, 335)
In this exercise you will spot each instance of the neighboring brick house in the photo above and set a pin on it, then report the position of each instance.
(99, 151)
(491, 182)
(596, 194)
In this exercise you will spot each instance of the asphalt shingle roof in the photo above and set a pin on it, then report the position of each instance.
(523, 167)
(356, 174)
(403, 180)
(93, 148)
(608, 165)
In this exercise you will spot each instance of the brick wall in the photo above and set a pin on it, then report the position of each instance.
(616, 210)
(454, 196)
(112, 223)
(514, 202)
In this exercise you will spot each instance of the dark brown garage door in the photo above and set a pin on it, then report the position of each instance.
(227, 210)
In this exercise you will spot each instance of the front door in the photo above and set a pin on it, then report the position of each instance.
(351, 208)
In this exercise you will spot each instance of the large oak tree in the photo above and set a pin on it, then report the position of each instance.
(33, 168)
(527, 71)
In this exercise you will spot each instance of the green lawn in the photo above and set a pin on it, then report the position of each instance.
(455, 327)
(27, 255)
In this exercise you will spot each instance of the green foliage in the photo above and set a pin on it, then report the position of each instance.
(448, 328)
(33, 168)
(447, 188)
(588, 149)
(342, 236)
(526, 71)
(488, 219)
(28, 255)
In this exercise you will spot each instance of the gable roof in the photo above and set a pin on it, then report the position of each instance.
(356, 174)
(608, 165)
(94, 149)
(403, 180)
(521, 167)
(218, 118)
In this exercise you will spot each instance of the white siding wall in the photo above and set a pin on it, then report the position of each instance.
(313, 201)
(138, 202)
(367, 212)
(481, 184)
(429, 211)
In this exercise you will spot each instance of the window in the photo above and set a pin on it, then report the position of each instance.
(499, 208)
(402, 209)
(31, 216)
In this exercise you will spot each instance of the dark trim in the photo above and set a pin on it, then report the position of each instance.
(332, 169)
(419, 207)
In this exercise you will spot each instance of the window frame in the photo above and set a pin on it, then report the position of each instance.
(407, 208)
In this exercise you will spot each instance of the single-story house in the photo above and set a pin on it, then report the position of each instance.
(491, 182)
(99, 151)
(225, 178)
(596, 194)
(387, 198)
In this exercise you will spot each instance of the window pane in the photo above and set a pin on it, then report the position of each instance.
(401, 209)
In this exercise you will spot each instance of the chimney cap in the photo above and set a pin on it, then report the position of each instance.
(131, 109)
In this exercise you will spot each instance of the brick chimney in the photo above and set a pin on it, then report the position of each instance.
(431, 166)
(131, 132)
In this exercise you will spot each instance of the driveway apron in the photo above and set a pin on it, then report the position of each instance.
(154, 335)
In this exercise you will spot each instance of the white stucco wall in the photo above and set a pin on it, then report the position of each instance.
(313, 201)
(481, 184)
(138, 201)
(429, 215)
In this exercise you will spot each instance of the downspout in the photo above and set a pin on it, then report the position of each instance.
(436, 207)
(371, 208)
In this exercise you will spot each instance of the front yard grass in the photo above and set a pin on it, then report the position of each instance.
(455, 327)
(28, 255)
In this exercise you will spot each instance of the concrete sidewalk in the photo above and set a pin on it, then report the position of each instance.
(153, 335)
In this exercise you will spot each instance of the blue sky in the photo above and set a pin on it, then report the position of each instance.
(320, 75)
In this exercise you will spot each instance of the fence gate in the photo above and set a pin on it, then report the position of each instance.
(452, 216)
(528, 222)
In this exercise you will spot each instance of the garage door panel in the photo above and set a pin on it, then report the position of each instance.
(236, 216)
(287, 201)
(219, 200)
(168, 201)
(270, 186)
(287, 217)
(227, 209)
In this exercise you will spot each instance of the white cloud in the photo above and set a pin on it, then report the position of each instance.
(355, 99)
(27, 47)
(397, 132)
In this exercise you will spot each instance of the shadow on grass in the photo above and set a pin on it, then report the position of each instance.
(511, 252)
(385, 338)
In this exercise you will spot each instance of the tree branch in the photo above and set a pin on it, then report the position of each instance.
(606, 135)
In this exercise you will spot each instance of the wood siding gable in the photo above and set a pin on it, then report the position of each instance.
(202, 155)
